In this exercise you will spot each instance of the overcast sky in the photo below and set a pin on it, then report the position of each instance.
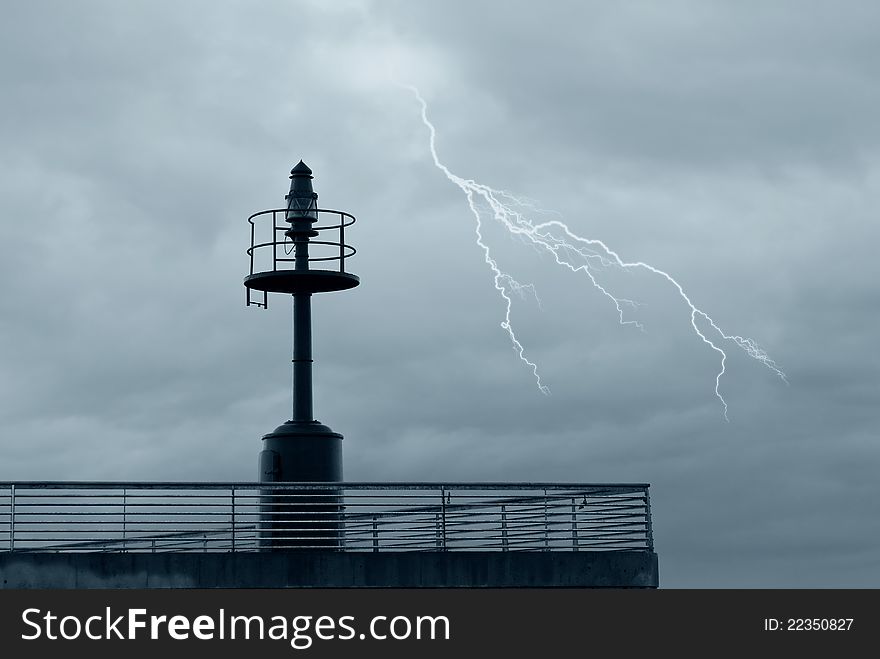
(734, 145)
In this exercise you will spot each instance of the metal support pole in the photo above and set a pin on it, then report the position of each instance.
(302, 327)
(503, 527)
(302, 357)
(574, 525)
(649, 529)
(232, 497)
(375, 534)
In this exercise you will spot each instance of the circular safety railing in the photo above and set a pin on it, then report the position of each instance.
(272, 249)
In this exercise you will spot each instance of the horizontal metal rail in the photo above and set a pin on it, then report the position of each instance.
(371, 517)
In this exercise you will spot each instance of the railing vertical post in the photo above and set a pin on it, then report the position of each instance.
(546, 524)
(124, 519)
(153, 544)
(252, 250)
(12, 517)
(342, 243)
(503, 527)
(443, 516)
(274, 243)
(375, 533)
(232, 497)
(574, 525)
(649, 527)
(437, 530)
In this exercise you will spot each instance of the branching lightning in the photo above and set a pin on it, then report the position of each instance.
(578, 254)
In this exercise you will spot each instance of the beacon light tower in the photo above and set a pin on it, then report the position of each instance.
(301, 449)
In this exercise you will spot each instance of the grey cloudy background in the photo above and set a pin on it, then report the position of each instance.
(735, 145)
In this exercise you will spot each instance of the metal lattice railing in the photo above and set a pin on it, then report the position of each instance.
(159, 517)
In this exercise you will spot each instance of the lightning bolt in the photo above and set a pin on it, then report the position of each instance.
(578, 254)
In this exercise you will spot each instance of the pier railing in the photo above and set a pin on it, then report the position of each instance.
(363, 517)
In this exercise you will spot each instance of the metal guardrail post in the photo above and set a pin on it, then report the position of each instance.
(375, 533)
(343, 531)
(574, 525)
(12, 517)
(232, 515)
(124, 518)
(546, 524)
(443, 516)
(503, 527)
(649, 527)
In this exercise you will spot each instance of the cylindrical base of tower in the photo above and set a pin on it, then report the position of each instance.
(301, 517)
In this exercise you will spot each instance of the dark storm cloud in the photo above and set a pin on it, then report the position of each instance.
(755, 84)
(734, 146)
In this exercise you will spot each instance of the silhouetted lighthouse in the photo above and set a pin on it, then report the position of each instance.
(301, 449)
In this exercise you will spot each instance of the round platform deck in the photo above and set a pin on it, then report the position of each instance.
(309, 281)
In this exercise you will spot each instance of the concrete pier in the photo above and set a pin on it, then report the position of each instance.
(328, 569)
